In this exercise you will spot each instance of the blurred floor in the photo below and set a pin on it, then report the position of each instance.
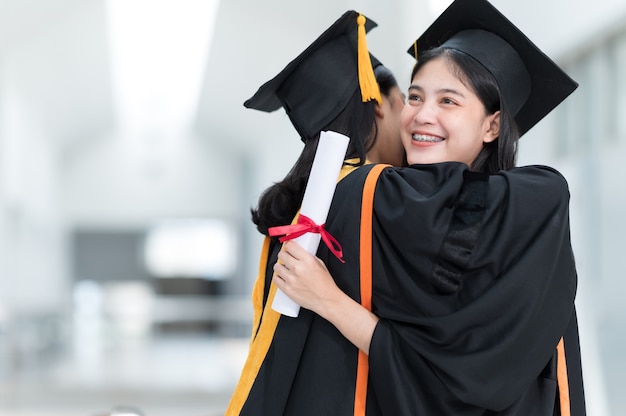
(162, 375)
(189, 372)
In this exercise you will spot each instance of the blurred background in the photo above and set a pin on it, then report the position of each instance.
(128, 166)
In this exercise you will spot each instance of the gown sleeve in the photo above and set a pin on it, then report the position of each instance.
(474, 284)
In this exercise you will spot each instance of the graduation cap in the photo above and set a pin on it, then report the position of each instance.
(316, 86)
(531, 84)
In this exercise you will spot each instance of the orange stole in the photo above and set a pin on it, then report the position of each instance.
(365, 262)
(562, 380)
(262, 335)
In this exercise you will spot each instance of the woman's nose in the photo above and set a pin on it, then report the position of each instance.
(425, 113)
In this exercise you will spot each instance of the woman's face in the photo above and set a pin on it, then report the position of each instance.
(443, 120)
(388, 147)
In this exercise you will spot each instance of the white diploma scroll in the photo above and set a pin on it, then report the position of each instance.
(318, 194)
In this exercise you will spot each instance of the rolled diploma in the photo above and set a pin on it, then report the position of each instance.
(318, 194)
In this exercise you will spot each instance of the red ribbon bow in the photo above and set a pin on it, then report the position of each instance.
(306, 225)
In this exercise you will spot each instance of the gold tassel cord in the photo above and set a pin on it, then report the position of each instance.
(367, 80)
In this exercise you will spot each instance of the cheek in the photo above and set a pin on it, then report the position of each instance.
(397, 111)
(406, 115)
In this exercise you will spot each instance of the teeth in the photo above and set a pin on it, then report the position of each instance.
(424, 138)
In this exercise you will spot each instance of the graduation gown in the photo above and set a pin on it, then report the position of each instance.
(473, 279)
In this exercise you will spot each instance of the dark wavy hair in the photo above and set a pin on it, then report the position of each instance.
(279, 203)
(500, 154)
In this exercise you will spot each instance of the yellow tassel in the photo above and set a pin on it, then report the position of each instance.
(367, 79)
(415, 50)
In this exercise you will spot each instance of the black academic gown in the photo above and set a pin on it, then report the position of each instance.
(474, 283)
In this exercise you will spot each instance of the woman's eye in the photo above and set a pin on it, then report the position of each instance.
(414, 97)
(447, 101)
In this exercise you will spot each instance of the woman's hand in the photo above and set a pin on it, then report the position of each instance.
(306, 280)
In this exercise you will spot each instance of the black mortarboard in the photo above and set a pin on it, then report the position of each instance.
(317, 85)
(530, 82)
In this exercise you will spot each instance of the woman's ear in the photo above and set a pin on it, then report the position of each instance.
(493, 127)
(378, 110)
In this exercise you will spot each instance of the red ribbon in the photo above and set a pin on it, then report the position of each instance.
(307, 225)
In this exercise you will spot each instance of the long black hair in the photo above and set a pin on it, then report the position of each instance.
(500, 154)
(279, 203)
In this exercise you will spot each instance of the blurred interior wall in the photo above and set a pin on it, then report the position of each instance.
(67, 169)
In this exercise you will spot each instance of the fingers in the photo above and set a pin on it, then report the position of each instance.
(294, 249)
(289, 266)
(284, 255)
(279, 270)
(294, 262)
(296, 253)
(285, 261)
(292, 254)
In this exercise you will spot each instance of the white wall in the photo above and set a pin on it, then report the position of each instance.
(128, 180)
(32, 240)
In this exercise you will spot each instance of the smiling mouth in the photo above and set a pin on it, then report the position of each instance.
(426, 139)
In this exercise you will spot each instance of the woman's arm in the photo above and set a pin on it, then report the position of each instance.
(305, 279)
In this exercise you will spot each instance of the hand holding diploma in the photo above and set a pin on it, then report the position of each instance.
(318, 195)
